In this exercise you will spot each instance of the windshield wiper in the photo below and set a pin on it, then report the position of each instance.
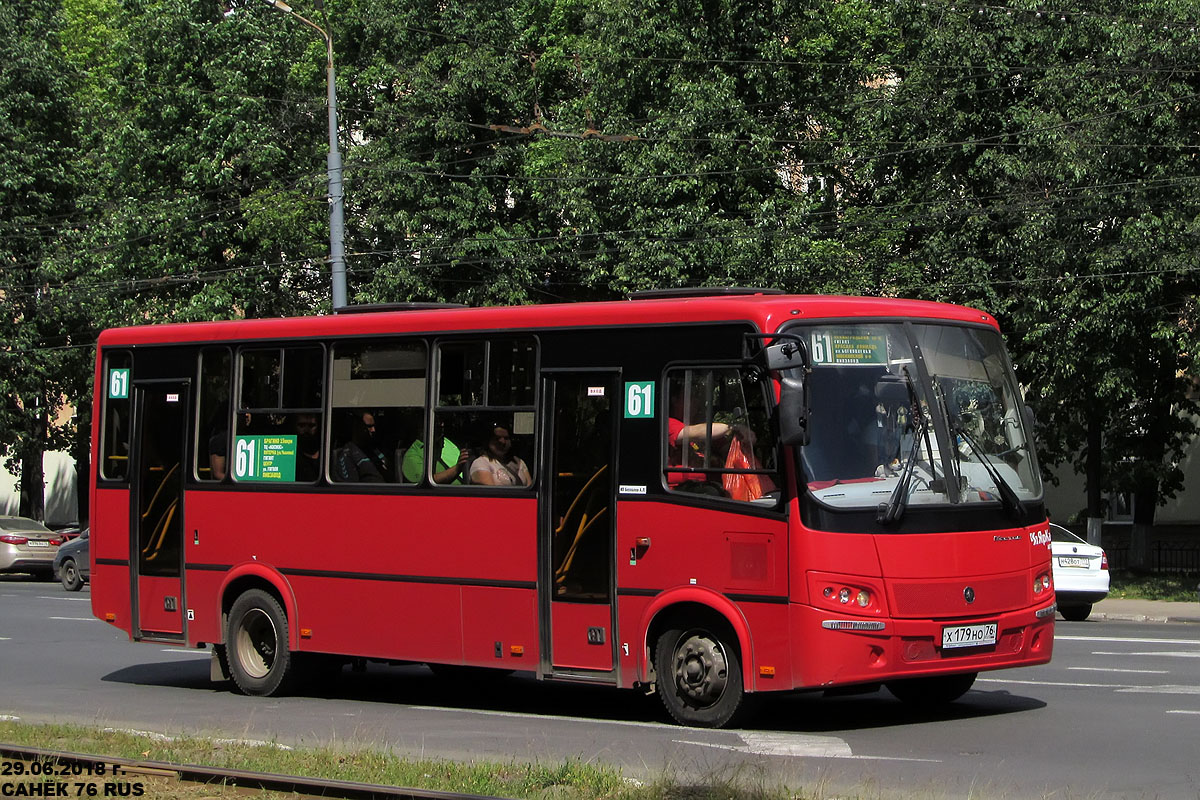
(893, 509)
(1008, 497)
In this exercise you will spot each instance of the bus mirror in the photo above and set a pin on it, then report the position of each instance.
(784, 355)
(793, 411)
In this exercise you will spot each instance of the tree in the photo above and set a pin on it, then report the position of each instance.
(1040, 165)
(37, 198)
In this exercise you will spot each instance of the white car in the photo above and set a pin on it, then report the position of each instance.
(1080, 573)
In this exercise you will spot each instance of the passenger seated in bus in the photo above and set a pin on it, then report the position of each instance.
(353, 462)
(449, 467)
(308, 448)
(498, 466)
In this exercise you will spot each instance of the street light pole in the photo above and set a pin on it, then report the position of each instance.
(337, 251)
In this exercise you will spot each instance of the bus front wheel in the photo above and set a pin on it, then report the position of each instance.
(936, 690)
(256, 642)
(699, 676)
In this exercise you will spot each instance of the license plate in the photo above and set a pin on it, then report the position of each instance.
(968, 635)
(37, 543)
(1073, 561)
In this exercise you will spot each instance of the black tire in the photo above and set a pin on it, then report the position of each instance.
(68, 573)
(256, 645)
(699, 675)
(937, 690)
(1076, 613)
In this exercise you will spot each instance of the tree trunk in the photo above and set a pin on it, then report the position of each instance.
(33, 484)
(1145, 500)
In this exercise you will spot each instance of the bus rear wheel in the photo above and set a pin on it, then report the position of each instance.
(936, 690)
(256, 642)
(699, 676)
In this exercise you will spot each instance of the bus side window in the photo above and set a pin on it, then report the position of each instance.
(483, 422)
(281, 396)
(718, 440)
(212, 428)
(114, 436)
(378, 405)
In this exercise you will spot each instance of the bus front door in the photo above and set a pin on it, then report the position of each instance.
(578, 624)
(156, 535)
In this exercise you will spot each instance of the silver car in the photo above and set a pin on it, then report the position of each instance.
(27, 545)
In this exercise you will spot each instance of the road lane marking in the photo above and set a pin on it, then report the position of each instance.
(77, 619)
(72, 599)
(793, 745)
(1134, 671)
(175, 651)
(1124, 639)
(1162, 653)
(1182, 711)
(1168, 689)
(1056, 683)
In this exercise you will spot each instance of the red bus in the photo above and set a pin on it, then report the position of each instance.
(710, 494)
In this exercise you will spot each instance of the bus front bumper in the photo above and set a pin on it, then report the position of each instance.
(841, 650)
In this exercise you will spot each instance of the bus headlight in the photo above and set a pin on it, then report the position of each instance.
(1041, 583)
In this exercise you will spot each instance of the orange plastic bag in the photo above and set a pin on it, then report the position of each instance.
(744, 487)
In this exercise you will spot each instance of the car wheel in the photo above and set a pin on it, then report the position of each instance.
(1076, 613)
(699, 676)
(937, 690)
(256, 645)
(68, 573)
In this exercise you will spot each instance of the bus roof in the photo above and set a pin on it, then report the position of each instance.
(766, 311)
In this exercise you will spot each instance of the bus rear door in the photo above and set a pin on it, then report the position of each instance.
(156, 535)
(576, 550)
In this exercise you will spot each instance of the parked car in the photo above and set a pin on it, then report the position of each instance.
(1080, 573)
(72, 564)
(27, 545)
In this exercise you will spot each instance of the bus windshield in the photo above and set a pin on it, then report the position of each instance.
(915, 414)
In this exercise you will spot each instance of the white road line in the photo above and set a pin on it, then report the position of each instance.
(59, 597)
(1162, 653)
(793, 745)
(5, 638)
(1161, 690)
(1124, 639)
(1182, 711)
(1057, 683)
(77, 619)
(175, 651)
(1133, 671)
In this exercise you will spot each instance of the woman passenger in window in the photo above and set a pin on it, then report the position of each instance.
(498, 466)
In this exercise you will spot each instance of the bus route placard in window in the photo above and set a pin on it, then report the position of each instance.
(268, 459)
(848, 347)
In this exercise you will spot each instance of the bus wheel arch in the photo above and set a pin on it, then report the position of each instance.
(698, 655)
(257, 625)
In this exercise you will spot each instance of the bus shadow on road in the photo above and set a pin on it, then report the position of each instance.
(520, 694)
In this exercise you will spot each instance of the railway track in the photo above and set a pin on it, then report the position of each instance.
(26, 768)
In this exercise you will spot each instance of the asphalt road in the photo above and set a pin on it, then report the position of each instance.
(1116, 714)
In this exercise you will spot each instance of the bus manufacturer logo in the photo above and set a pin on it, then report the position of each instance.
(969, 595)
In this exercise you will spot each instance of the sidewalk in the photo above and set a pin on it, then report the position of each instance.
(1146, 610)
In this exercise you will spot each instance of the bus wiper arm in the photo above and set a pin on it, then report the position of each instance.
(893, 509)
(1008, 497)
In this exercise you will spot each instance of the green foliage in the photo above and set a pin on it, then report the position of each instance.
(167, 161)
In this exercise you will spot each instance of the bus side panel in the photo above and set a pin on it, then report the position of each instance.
(204, 604)
(769, 667)
(378, 575)
(631, 650)
(109, 553)
(381, 619)
(732, 553)
(500, 627)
